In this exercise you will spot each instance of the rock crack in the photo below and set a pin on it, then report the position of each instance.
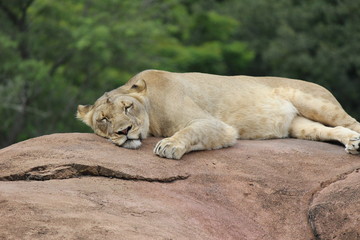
(66, 171)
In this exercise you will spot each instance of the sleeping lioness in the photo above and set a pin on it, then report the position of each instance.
(196, 111)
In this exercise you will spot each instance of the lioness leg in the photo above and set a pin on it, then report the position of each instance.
(200, 134)
(324, 109)
(306, 129)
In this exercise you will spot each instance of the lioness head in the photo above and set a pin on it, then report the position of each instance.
(121, 117)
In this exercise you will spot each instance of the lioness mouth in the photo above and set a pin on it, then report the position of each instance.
(124, 131)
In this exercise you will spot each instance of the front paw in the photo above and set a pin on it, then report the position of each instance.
(353, 147)
(170, 148)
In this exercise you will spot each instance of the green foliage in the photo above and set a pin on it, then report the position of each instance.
(313, 40)
(205, 23)
(58, 54)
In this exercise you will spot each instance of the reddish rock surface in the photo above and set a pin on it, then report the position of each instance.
(80, 186)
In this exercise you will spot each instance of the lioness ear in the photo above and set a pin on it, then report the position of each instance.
(83, 113)
(139, 86)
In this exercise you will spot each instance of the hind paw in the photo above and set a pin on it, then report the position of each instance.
(353, 147)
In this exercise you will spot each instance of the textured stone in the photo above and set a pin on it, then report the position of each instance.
(80, 186)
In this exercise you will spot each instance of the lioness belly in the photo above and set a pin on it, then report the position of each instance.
(263, 119)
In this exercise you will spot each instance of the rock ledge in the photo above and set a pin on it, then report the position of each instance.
(80, 186)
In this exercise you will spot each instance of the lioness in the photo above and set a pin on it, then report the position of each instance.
(197, 111)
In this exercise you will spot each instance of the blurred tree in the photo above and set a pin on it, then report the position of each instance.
(57, 54)
(312, 40)
(320, 42)
(202, 40)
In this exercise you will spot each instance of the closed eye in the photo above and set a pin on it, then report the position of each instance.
(127, 109)
(103, 120)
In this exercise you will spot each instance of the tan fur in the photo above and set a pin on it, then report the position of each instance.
(197, 111)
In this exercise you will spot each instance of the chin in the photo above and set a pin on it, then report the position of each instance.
(131, 144)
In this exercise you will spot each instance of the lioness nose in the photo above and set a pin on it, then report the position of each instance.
(124, 131)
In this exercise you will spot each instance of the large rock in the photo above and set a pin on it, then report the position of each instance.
(80, 186)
